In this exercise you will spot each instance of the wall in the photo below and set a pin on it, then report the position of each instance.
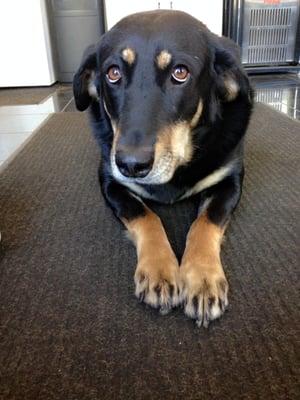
(208, 11)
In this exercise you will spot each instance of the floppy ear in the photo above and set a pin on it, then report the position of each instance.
(84, 88)
(230, 78)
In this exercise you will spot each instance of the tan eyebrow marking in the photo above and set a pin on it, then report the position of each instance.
(128, 55)
(163, 59)
(232, 88)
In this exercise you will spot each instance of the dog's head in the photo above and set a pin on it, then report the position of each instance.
(158, 76)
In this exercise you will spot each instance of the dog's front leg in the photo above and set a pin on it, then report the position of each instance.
(157, 272)
(204, 288)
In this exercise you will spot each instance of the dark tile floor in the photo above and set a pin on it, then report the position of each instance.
(18, 121)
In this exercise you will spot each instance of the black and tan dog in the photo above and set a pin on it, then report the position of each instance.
(170, 105)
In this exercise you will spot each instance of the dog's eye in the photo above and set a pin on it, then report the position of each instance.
(180, 73)
(113, 74)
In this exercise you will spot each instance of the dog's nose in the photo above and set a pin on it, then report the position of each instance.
(136, 165)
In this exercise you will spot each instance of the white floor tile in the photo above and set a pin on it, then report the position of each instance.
(48, 106)
(20, 123)
(10, 143)
(21, 110)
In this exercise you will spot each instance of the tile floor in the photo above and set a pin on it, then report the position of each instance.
(19, 122)
(281, 92)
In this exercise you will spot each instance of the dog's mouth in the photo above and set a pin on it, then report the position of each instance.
(173, 148)
(161, 172)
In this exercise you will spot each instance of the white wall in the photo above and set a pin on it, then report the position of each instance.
(208, 11)
(25, 44)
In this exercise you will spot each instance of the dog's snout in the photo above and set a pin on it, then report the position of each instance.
(135, 164)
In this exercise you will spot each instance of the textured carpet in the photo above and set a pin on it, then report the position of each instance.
(24, 96)
(71, 327)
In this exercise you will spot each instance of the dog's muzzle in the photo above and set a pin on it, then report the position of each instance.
(135, 164)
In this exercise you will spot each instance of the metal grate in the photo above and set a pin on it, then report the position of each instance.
(268, 34)
(270, 16)
(269, 31)
(267, 54)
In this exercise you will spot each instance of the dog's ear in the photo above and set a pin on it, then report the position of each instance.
(229, 76)
(84, 88)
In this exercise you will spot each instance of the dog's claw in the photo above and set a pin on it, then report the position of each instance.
(141, 297)
(199, 323)
(205, 321)
(164, 310)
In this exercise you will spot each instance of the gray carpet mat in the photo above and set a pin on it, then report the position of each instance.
(70, 326)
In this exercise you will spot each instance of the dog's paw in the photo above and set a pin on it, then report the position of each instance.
(203, 292)
(157, 282)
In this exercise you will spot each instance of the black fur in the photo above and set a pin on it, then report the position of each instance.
(146, 99)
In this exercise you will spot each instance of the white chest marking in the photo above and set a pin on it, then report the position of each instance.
(210, 180)
(137, 189)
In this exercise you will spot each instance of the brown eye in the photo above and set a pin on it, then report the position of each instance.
(180, 73)
(113, 74)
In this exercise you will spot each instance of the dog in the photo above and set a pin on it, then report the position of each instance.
(169, 104)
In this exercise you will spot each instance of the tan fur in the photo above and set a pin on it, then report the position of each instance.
(203, 241)
(157, 265)
(147, 231)
(163, 59)
(197, 114)
(117, 133)
(128, 55)
(201, 272)
(172, 149)
(232, 88)
(176, 139)
(114, 126)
